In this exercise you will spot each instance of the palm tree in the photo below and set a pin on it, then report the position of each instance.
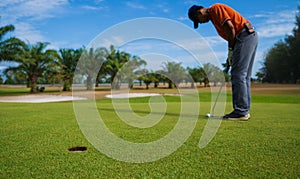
(131, 69)
(10, 47)
(149, 78)
(226, 73)
(114, 62)
(67, 62)
(140, 75)
(34, 62)
(212, 74)
(89, 64)
(161, 77)
(174, 72)
(15, 77)
(195, 74)
(207, 68)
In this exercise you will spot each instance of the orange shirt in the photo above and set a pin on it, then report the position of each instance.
(220, 13)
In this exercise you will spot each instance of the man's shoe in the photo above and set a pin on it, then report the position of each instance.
(236, 117)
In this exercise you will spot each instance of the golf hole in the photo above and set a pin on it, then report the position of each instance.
(77, 149)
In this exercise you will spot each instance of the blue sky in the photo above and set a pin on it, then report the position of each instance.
(75, 23)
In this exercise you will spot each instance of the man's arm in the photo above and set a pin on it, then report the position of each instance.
(230, 32)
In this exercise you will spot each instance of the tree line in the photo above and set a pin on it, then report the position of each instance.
(36, 64)
(282, 62)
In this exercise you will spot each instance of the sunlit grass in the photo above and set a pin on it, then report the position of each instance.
(35, 139)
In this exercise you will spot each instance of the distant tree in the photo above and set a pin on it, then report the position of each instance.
(293, 42)
(140, 75)
(159, 74)
(260, 76)
(218, 75)
(212, 74)
(195, 74)
(277, 68)
(88, 66)
(114, 60)
(9, 78)
(68, 59)
(9, 47)
(174, 72)
(226, 74)
(207, 69)
(16, 77)
(156, 78)
(149, 78)
(281, 63)
(35, 60)
(120, 65)
(131, 69)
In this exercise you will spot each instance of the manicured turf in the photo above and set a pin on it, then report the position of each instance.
(22, 90)
(35, 139)
(13, 91)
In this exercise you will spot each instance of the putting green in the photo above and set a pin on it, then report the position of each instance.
(35, 139)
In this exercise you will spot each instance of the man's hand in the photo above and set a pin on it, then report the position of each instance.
(229, 60)
(229, 57)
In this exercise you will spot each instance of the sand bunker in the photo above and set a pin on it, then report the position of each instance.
(137, 95)
(59, 98)
(39, 98)
(131, 95)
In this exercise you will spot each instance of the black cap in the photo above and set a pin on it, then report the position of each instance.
(192, 11)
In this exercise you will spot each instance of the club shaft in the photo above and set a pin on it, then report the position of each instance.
(217, 98)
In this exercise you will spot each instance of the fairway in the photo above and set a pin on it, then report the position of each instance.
(35, 139)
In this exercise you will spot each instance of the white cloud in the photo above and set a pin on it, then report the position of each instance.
(24, 14)
(191, 2)
(94, 8)
(182, 18)
(98, 1)
(275, 24)
(188, 51)
(275, 30)
(31, 9)
(215, 40)
(163, 7)
(135, 5)
(28, 32)
(107, 42)
(166, 10)
(5, 3)
(64, 44)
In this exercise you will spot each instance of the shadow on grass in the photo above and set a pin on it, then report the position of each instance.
(157, 113)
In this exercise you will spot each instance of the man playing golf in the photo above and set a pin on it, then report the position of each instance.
(242, 43)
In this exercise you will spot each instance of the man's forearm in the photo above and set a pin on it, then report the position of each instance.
(230, 32)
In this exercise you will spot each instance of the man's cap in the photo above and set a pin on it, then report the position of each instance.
(192, 11)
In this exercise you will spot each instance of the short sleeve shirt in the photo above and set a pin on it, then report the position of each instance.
(221, 13)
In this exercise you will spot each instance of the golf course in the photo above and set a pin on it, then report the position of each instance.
(36, 138)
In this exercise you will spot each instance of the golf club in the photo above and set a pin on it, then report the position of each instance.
(210, 115)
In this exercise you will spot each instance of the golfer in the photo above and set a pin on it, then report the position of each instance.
(242, 43)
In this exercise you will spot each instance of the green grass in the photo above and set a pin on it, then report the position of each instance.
(22, 90)
(274, 98)
(35, 139)
(13, 91)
